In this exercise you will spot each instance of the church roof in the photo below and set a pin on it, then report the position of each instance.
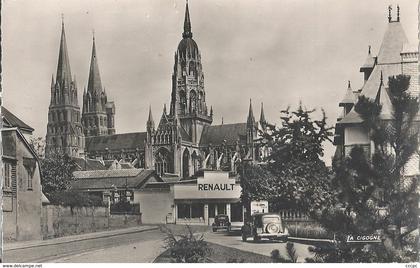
(116, 142)
(89, 164)
(11, 120)
(230, 133)
(108, 179)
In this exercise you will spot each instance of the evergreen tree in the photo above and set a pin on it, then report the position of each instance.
(373, 196)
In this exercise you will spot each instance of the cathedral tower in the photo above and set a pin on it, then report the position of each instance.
(98, 113)
(188, 100)
(64, 130)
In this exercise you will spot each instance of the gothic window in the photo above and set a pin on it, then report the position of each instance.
(191, 68)
(30, 165)
(193, 102)
(185, 163)
(88, 103)
(194, 158)
(183, 101)
(200, 101)
(162, 162)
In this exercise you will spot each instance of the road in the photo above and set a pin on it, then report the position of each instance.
(263, 247)
(139, 247)
(134, 247)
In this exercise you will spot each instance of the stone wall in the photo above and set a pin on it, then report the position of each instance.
(60, 221)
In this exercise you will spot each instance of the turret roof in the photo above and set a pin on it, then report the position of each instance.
(349, 97)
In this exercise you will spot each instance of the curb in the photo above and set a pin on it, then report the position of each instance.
(44, 243)
(309, 240)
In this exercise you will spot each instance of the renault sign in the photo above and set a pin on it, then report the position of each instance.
(214, 185)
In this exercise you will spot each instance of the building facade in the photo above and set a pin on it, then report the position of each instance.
(396, 56)
(22, 193)
(182, 142)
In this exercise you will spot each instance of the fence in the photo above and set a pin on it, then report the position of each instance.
(301, 225)
(294, 215)
(60, 221)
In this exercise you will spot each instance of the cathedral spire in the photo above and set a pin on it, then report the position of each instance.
(94, 82)
(63, 67)
(150, 122)
(262, 116)
(187, 23)
(251, 119)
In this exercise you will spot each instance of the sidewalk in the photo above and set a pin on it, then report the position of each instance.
(72, 238)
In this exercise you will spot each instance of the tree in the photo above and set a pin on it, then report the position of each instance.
(374, 196)
(294, 176)
(38, 145)
(56, 173)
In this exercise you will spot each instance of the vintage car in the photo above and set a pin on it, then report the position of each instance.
(265, 225)
(221, 221)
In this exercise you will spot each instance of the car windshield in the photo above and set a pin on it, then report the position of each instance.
(222, 217)
(269, 219)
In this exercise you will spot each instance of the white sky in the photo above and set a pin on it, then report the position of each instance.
(273, 51)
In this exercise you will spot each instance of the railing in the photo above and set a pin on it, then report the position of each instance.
(294, 215)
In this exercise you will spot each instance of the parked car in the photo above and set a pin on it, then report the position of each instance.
(221, 221)
(265, 225)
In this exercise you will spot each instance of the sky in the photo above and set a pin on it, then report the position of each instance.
(279, 52)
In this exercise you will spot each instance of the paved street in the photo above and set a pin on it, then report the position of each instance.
(263, 247)
(136, 247)
(103, 249)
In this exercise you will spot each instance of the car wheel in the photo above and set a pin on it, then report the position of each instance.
(214, 230)
(244, 237)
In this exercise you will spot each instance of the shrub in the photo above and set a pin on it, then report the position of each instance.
(291, 254)
(187, 247)
(75, 199)
(308, 230)
(125, 207)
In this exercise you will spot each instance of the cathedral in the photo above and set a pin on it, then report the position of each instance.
(183, 141)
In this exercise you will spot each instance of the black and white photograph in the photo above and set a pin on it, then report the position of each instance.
(209, 131)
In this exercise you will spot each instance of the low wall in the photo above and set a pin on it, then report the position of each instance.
(60, 221)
